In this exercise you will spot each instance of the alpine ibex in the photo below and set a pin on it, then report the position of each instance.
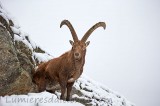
(69, 66)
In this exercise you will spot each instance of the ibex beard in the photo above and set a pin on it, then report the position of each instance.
(69, 66)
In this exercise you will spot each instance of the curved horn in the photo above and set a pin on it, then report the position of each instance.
(88, 33)
(66, 22)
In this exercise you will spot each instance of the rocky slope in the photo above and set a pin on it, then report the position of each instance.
(19, 56)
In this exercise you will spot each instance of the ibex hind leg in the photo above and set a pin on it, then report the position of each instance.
(53, 87)
(50, 91)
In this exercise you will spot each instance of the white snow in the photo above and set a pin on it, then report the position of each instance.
(98, 92)
(35, 99)
(42, 57)
(15, 30)
(31, 42)
(22, 39)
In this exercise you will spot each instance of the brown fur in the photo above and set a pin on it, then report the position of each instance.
(59, 70)
(39, 76)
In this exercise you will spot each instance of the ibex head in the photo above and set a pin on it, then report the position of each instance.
(79, 46)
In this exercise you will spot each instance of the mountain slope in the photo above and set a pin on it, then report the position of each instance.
(85, 90)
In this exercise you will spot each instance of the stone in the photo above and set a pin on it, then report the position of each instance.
(15, 66)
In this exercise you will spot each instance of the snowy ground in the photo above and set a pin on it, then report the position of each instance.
(97, 93)
(35, 99)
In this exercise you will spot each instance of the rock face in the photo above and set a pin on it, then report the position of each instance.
(15, 66)
(18, 58)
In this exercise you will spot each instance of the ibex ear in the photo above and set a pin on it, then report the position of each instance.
(71, 42)
(87, 43)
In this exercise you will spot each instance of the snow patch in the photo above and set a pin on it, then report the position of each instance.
(98, 93)
(42, 57)
(35, 99)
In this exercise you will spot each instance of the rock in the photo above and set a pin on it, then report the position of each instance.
(16, 61)
(15, 73)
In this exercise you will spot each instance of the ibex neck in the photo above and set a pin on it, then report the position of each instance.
(77, 68)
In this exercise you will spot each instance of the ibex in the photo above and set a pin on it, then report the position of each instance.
(69, 66)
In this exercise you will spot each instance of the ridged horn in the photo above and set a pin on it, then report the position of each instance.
(74, 35)
(88, 33)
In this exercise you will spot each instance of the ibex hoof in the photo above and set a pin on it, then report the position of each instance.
(68, 99)
(62, 98)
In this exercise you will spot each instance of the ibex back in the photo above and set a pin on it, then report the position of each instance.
(68, 67)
